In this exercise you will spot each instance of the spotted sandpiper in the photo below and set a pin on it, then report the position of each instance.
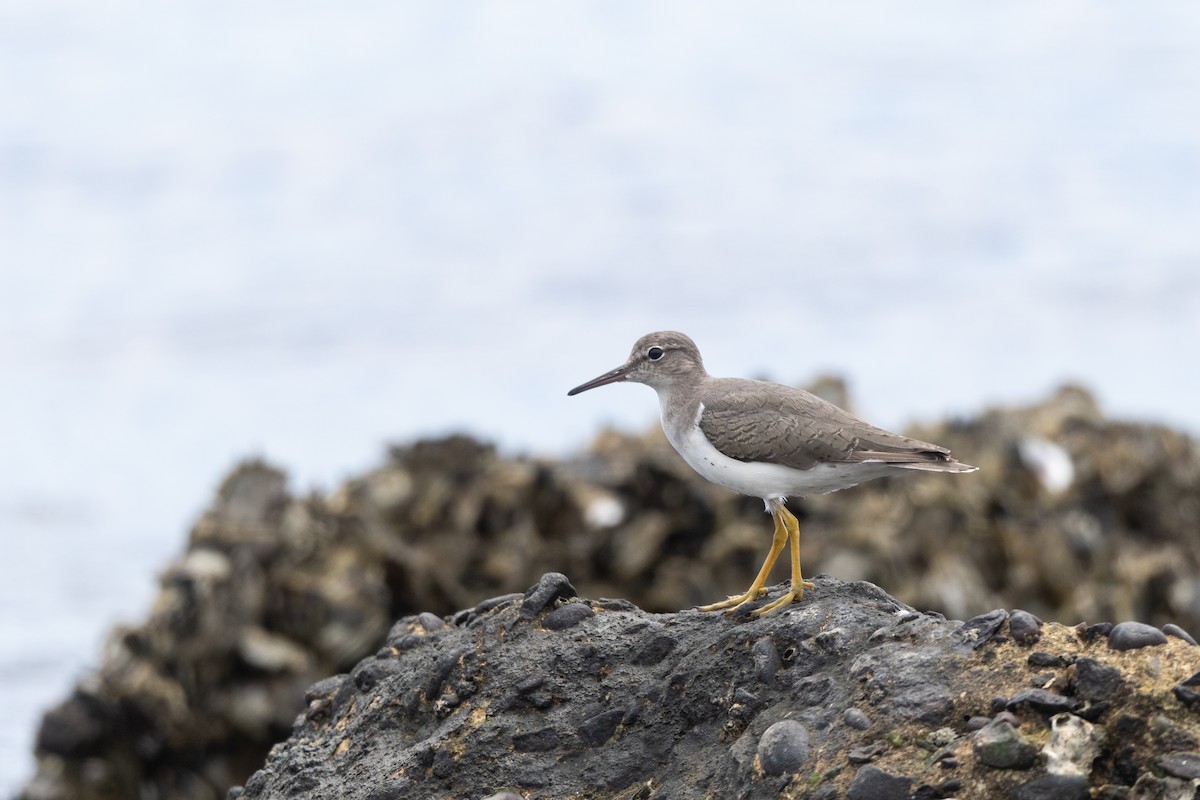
(765, 440)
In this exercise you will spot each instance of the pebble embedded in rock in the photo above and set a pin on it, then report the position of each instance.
(1181, 765)
(999, 745)
(369, 672)
(1171, 629)
(856, 719)
(1134, 635)
(549, 588)
(430, 622)
(766, 659)
(409, 642)
(1043, 701)
(745, 705)
(783, 747)
(1090, 633)
(1189, 697)
(1024, 627)
(493, 603)
(1094, 681)
(1054, 787)
(978, 630)
(443, 764)
(538, 741)
(872, 783)
(654, 651)
(1042, 659)
(598, 729)
(928, 703)
(567, 616)
(865, 753)
(326, 687)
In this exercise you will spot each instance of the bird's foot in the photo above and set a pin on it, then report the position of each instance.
(792, 595)
(734, 602)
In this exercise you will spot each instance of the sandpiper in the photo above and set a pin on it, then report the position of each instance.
(765, 440)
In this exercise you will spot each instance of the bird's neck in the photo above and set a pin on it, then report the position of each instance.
(679, 399)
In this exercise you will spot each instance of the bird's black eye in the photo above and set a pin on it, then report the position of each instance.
(654, 353)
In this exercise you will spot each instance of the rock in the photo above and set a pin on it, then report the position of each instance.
(1072, 747)
(1090, 633)
(1094, 681)
(999, 745)
(1024, 627)
(537, 741)
(783, 747)
(598, 729)
(1040, 659)
(866, 753)
(979, 630)
(1134, 635)
(567, 616)
(1171, 629)
(552, 586)
(1188, 697)
(630, 699)
(1181, 765)
(1054, 787)
(856, 719)
(1043, 701)
(766, 659)
(872, 783)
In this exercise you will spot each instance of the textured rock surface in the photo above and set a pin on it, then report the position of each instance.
(630, 704)
(1071, 517)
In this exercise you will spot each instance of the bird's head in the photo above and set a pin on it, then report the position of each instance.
(658, 360)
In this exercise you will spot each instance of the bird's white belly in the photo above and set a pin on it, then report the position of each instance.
(758, 479)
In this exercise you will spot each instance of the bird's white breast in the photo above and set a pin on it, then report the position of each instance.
(759, 479)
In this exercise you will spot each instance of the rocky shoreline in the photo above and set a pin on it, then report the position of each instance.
(1072, 517)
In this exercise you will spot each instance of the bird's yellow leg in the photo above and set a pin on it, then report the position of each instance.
(782, 534)
(796, 591)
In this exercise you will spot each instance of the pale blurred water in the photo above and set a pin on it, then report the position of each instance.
(232, 229)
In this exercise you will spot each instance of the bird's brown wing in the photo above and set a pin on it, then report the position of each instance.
(758, 421)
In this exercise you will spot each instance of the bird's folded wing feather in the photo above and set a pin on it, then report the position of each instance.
(757, 421)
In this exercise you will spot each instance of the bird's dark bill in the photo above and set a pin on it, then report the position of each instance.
(615, 375)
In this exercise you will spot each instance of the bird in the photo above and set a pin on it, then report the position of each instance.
(765, 440)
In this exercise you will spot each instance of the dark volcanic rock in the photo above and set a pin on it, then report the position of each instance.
(1046, 702)
(999, 745)
(692, 705)
(1054, 787)
(783, 747)
(1171, 629)
(1181, 765)
(1024, 627)
(872, 783)
(1094, 681)
(1132, 635)
(979, 630)
(634, 697)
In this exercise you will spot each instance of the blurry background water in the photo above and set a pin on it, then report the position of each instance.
(304, 230)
